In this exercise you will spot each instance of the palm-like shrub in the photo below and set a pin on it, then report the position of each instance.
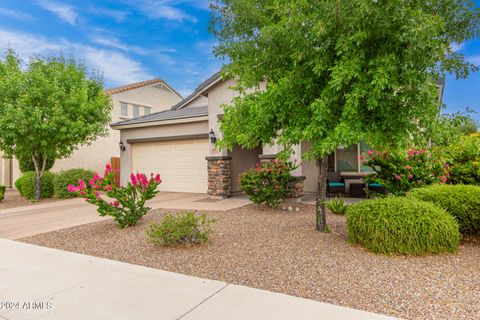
(337, 206)
(461, 201)
(402, 225)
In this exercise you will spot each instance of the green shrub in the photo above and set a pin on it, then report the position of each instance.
(64, 178)
(461, 201)
(186, 228)
(337, 206)
(268, 182)
(2, 192)
(26, 164)
(402, 225)
(26, 185)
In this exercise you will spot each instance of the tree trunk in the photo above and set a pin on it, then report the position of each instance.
(38, 176)
(321, 211)
(38, 186)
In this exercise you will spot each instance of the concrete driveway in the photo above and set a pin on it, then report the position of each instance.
(26, 221)
(41, 283)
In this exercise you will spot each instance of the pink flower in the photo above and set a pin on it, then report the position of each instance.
(397, 177)
(81, 184)
(370, 152)
(82, 193)
(408, 167)
(108, 187)
(134, 180)
(96, 177)
(443, 179)
(72, 188)
(157, 179)
(410, 176)
(257, 165)
(114, 204)
(92, 183)
(108, 169)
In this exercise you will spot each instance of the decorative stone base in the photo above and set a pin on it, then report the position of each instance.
(296, 187)
(219, 180)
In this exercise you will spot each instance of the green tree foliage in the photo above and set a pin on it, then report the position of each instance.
(449, 128)
(337, 72)
(48, 108)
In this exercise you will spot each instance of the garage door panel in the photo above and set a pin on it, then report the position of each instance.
(181, 163)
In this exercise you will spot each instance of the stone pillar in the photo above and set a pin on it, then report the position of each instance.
(296, 187)
(219, 177)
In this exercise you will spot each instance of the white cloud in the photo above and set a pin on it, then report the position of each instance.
(115, 43)
(162, 9)
(475, 59)
(65, 12)
(15, 14)
(117, 67)
(117, 15)
(457, 46)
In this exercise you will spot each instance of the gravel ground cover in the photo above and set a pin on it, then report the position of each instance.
(279, 250)
(13, 199)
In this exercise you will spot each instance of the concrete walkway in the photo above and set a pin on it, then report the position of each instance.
(26, 221)
(43, 283)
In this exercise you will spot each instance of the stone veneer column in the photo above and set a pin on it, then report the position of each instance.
(219, 176)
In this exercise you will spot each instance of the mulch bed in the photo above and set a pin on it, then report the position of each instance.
(13, 199)
(279, 250)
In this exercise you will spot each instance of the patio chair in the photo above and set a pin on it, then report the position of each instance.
(335, 183)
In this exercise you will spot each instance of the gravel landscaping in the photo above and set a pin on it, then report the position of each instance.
(279, 250)
(13, 199)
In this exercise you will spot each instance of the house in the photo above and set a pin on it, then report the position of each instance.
(179, 144)
(129, 101)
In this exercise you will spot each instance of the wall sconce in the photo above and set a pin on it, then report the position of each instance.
(121, 145)
(212, 137)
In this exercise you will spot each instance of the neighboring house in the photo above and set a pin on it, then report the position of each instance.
(129, 101)
(178, 144)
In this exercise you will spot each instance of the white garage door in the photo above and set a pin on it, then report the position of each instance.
(181, 163)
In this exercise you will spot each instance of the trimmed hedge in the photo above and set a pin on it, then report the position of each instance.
(2, 192)
(26, 185)
(402, 225)
(64, 178)
(461, 201)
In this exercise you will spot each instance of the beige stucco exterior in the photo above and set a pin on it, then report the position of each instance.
(99, 152)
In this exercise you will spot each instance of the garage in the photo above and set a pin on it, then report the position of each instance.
(181, 163)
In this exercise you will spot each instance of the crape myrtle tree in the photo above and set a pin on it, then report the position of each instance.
(337, 72)
(48, 108)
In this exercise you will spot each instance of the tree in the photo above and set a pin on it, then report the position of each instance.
(335, 72)
(48, 108)
(450, 128)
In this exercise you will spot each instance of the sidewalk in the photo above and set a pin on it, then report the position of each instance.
(16, 223)
(43, 283)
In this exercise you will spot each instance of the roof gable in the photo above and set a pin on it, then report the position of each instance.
(141, 84)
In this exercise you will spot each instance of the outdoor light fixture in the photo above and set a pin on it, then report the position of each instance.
(122, 147)
(212, 137)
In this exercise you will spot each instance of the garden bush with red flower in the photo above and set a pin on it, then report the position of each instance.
(267, 182)
(125, 204)
(402, 171)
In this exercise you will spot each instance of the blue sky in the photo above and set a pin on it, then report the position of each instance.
(136, 40)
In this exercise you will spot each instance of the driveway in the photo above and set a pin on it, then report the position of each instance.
(26, 221)
(43, 283)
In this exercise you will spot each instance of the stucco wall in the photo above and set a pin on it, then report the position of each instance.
(199, 101)
(170, 130)
(96, 155)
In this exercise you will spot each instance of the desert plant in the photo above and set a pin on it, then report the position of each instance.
(129, 205)
(402, 225)
(2, 192)
(26, 185)
(401, 171)
(461, 201)
(337, 206)
(64, 178)
(186, 228)
(267, 182)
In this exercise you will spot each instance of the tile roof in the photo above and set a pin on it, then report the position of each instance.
(166, 115)
(137, 85)
(197, 91)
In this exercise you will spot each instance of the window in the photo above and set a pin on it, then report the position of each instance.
(363, 152)
(147, 110)
(347, 158)
(136, 111)
(123, 109)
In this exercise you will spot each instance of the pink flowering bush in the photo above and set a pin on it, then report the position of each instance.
(267, 182)
(402, 171)
(125, 204)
